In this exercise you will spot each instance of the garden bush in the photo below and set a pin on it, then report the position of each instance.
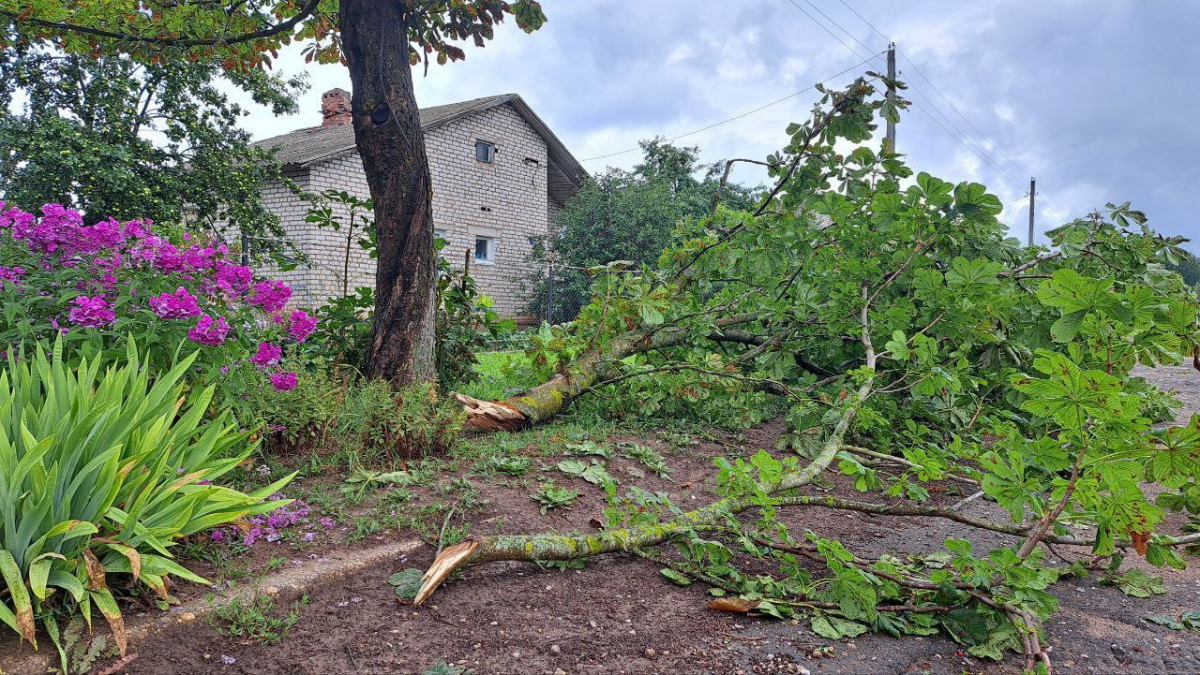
(386, 426)
(102, 469)
(172, 292)
(331, 412)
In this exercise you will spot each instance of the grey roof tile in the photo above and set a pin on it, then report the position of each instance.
(305, 147)
(315, 144)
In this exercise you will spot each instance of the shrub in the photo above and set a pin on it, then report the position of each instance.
(100, 473)
(96, 284)
(297, 419)
(389, 426)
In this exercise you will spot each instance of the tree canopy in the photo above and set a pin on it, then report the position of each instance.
(109, 136)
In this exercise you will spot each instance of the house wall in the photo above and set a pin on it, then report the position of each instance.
(506, 200)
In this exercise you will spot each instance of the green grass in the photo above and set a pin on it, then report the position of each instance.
(501, 374)
(256, 620)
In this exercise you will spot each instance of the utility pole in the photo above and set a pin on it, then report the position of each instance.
(1032, 194)
(891, 94)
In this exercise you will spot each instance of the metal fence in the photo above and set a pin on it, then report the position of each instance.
(559, 294)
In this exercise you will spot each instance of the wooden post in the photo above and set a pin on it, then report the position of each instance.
(1032, 194)
(891, 94)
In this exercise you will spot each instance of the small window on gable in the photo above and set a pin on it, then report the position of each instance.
(485, 250)
(485, 152)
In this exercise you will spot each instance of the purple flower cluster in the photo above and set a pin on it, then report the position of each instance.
(283, 381)
(208, 331)
(267, 526)
(181, 305)
(272, 296)
(109, 263)
(91, 312)
(233, 279)
(302, 325)
(268, 354)
(12, 275)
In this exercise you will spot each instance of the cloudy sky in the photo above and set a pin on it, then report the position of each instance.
(1096, 99)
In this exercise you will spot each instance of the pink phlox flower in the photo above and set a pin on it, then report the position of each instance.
(268, 354)
(199, 257)
(104, 234)
(302, 325)
(208, 331)
(11, 274)
(283, 381)
(233, 279)
(137, 229)
(167, 258)
(91, 312)
(272, 296)
(180, 305)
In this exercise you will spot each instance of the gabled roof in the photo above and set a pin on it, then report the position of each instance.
(303, 148)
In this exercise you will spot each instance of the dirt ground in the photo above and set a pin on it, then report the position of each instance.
(620, 616)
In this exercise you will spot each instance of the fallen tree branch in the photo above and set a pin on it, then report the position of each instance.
(540, 403)
(568, 547)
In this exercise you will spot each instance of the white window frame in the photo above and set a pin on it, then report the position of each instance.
(439, 233)
(490, 258)
(491, 151)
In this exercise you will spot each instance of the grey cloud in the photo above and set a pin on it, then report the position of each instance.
(1101, 94)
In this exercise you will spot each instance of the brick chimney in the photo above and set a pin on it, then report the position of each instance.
(335, 108)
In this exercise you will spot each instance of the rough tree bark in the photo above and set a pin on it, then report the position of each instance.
(387, 131)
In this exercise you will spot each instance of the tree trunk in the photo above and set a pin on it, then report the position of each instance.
(387, 131)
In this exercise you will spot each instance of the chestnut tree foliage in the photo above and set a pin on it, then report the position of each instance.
(907, 338)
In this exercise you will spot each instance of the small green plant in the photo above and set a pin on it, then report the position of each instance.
(443, 668)
(679, 439)
(593, 472)
(365, 526)
(588, 449)
(1187, 620)
(396, 497)
(552, 496)
(647, 456)
(406, 583)
(256, 620)
(467, 496)
(509, 465)
(1137, 584)
(80, 649)
(454, 534)
(390, 427)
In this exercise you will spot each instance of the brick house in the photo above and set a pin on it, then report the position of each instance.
(499, 175)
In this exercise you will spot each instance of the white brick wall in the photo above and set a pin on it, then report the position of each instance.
(506, 200)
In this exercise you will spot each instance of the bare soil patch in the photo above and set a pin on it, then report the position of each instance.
(620, 616)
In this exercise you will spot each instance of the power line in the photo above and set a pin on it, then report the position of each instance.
(960, 114)
(835, 23)
(966, 139)
(745, 114)
(990, 143)
(984, 158)
(864, 20)
(826, 29)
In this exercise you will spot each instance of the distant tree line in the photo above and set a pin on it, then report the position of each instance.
(628, 215)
